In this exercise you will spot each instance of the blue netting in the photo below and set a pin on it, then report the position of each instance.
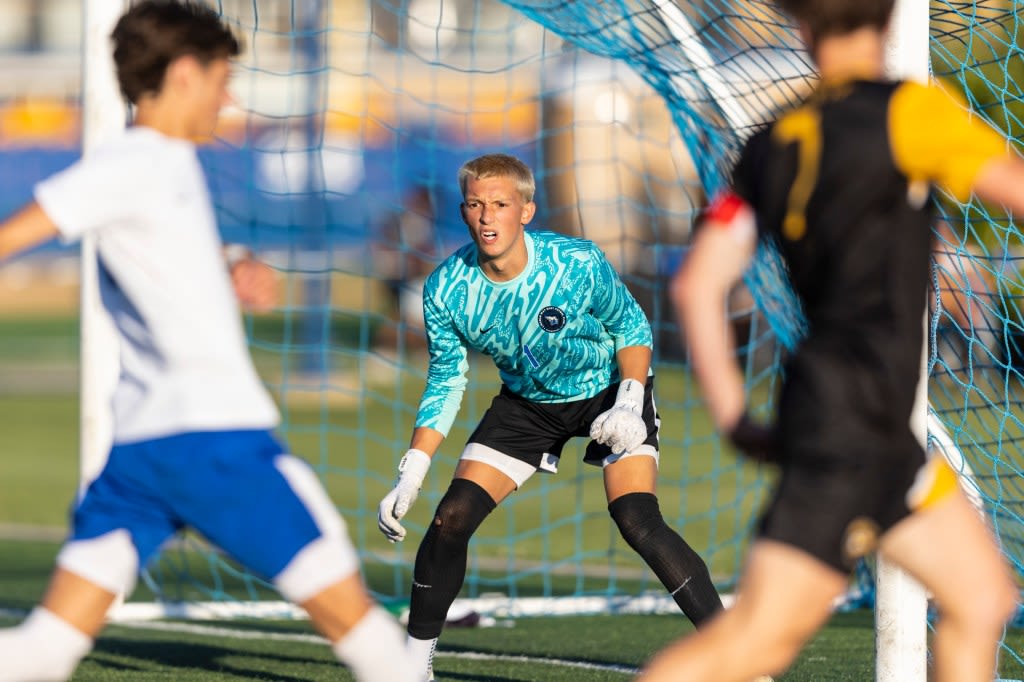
(339, 168)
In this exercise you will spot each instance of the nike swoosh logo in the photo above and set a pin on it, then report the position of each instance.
(484, 330)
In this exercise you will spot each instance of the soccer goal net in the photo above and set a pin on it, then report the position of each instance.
(338, 167)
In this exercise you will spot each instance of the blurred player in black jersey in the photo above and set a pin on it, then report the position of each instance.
(842, 184)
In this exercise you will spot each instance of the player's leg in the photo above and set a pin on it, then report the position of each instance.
(113, 526)
(630, 487)
(440, 569)
(362, 634)
(630, 481)
(948, 547)
(48, 645)
(785, 597)
(322, 576)
(269, 511)
(512, 440)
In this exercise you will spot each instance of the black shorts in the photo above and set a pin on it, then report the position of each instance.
(534, 433)
(847, 466)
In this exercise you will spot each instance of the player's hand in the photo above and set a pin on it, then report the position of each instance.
(622, 428)
(255, 284)
(757, 441)
(411, 472)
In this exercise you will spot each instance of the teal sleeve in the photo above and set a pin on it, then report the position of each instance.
(615, 307)
(446, 372)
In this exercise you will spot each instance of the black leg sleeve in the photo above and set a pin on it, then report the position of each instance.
(680, 569)
(441, 560)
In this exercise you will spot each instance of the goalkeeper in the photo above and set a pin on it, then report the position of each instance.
(193, 442)
(573, 349)
(842, 185)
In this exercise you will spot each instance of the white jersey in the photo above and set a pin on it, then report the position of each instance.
(184, 364)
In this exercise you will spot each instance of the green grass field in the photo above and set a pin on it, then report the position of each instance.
(355, 446)
(529, 649)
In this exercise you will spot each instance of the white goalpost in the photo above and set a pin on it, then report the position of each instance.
(901, 604)
(103, 113)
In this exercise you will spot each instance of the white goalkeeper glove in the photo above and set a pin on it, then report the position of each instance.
(411, 472)
(622, 428)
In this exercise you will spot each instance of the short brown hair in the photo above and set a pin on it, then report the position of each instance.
(154, 33)
(499, 166)
(826, 18)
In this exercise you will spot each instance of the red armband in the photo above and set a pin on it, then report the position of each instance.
(728, 211)
(724, 207)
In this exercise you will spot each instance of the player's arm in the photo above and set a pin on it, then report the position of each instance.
(446, 370)
(622, 427)
(721, 251)
(446, 383)
(935, 138)
(28, 227)
(426, 440)
(1001, 181)
(254, 282)
(634, 363)
(614, 307)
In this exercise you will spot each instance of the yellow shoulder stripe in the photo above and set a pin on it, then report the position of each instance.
(934, 138)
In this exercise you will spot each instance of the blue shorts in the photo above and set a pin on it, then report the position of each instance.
(227, 485)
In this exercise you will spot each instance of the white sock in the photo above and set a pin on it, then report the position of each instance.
(374, 650)
(422, 653)
(44, 648)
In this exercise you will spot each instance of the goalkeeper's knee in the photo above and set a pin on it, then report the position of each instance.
(638, 517)
(460, 512)
(44, 648)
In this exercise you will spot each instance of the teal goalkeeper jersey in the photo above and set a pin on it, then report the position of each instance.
(552, 331)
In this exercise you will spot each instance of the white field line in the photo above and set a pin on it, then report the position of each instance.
(228, 633)
(25, 531)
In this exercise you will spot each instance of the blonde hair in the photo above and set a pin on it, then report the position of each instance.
(499, 166)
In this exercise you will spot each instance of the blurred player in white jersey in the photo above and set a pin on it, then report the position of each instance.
(193, 441)
(573, 349)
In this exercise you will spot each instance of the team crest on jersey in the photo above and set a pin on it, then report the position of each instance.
(551, 319)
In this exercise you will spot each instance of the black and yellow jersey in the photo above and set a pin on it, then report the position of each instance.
(843, 184)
